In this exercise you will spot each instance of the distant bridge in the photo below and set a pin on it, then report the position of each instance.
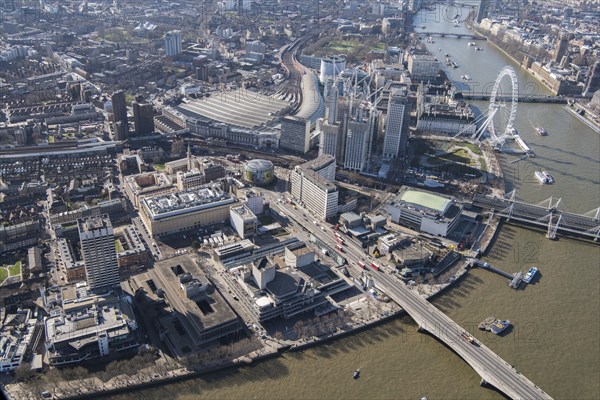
(456, 35)
(522, 98)
(545, 214)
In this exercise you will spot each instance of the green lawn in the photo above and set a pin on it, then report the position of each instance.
(483, 164)
(342, 45)
(159, 167)
(457, 156)
(15, 270)
(473, 147)
(50, 139)
(118, 246)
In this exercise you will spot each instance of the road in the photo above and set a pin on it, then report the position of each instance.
(491, 367)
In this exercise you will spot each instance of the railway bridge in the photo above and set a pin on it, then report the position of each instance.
(545, 214)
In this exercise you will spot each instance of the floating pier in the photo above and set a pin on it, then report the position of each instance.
(515, 279)
(484, 265)
(486, 324)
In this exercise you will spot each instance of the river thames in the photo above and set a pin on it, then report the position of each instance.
(555, 339)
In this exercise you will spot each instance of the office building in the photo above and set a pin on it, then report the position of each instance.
(295, 134)
(16, 334)
(143, 116)
(190, 179)
(185, 210)
(329, 142)
(173, 43)
(312, 186)
(212, 171)
(136, 187)
(253, 199)
(359, 135)
(119, 112)
(99, 253)
(243, 220)
(82, 325)
(396, 125)
(423, 67)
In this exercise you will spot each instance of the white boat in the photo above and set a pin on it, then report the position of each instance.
(466, 78)
(530, 274)
(471, 43)
(522, 144)
(548, 177)
(544, 177)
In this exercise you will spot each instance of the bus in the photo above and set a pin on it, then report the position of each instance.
(362, 265)
(340, 240)
(340, 248)
(375, 266)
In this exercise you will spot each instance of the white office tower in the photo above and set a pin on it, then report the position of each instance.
(396, 127)
(330, 129)
(312, 185)
(330, 136)
(331, 67)
(331, 100)
(173, 43)
(99, 253)
(359, 137)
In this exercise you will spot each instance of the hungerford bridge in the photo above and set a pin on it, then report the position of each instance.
(545, 214)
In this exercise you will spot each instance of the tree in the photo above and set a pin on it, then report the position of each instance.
(195, 245)
(24, 373)
(299, 328)
(177, 148)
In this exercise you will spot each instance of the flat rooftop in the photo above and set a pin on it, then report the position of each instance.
(198, 314)
(83, 315)
(171, 204)
(426, 200)
(244, 109)
(244, 212)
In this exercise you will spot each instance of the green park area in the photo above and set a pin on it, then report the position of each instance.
(457, 156)
(9, 270)
(355, 48)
